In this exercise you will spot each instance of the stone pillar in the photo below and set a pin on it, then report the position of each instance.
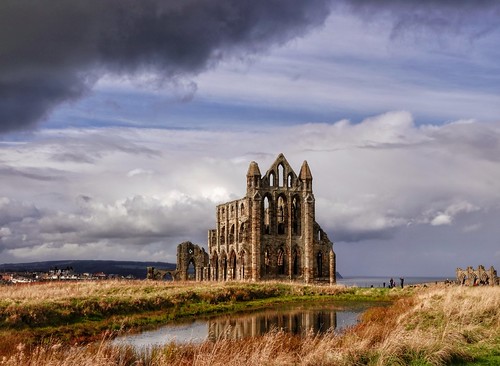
(308, 225)
(289, 236)
(333, 269)
(492, 276)
(255, 219)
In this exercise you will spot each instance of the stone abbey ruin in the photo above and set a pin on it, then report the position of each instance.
(480, 276)
(271, 233)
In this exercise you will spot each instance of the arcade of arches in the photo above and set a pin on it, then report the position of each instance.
(271, 233)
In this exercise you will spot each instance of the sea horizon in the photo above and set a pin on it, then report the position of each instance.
(378, 281)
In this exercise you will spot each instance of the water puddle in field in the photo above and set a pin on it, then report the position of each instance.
(297, 319)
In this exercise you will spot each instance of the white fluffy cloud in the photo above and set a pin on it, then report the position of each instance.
(135, 194)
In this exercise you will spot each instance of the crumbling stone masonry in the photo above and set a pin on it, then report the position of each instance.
(271, 233)
(192, 262)
(481, 276)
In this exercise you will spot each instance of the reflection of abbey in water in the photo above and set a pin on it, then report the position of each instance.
(271, 233)
(297, 322)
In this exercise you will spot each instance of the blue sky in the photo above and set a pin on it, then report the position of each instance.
(123, 152)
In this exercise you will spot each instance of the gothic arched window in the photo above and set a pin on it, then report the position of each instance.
(231, 235)
(320, 264)
(242, 233)
(271, 179)
(281, 261)
(267, 217)
(223, 235)
(296, 216)
(281, 176)
(280, 214)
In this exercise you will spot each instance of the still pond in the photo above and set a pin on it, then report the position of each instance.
(296, 319)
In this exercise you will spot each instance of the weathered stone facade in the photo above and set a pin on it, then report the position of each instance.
(191, 256)
(192, 264)
(481, 276)
(271, 233)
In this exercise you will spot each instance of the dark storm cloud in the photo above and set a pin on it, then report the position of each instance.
(54, 51)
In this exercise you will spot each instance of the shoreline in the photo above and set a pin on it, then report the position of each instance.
(378, 281)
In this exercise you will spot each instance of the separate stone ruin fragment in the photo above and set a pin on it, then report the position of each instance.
(481, 276)
(161, 274)
(192, 262)
(271, 233)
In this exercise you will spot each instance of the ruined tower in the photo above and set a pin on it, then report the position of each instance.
(271, 233)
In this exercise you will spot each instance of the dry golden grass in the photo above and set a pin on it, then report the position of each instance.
(82, 311)
(60, 291)
(435, 326)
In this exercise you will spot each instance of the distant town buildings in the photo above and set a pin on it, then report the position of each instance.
(55, 274)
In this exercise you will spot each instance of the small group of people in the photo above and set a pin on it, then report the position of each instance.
(392, 283)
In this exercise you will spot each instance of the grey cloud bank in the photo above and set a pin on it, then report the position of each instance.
(393, 190)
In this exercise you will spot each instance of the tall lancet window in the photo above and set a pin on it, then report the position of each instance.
(267, 216)
(281, 261)
(281, 175)
(319, 258)
(296, 216)
(281, 212)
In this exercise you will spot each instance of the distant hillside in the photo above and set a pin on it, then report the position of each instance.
(338, 275)
(122, 268)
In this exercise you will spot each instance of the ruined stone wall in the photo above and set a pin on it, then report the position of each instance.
(477, 277)
(271, 233)
(191, 262)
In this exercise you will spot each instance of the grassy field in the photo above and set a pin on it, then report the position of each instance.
(83, 311)
(423, 326)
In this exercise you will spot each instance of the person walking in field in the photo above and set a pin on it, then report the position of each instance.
(402, 281)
